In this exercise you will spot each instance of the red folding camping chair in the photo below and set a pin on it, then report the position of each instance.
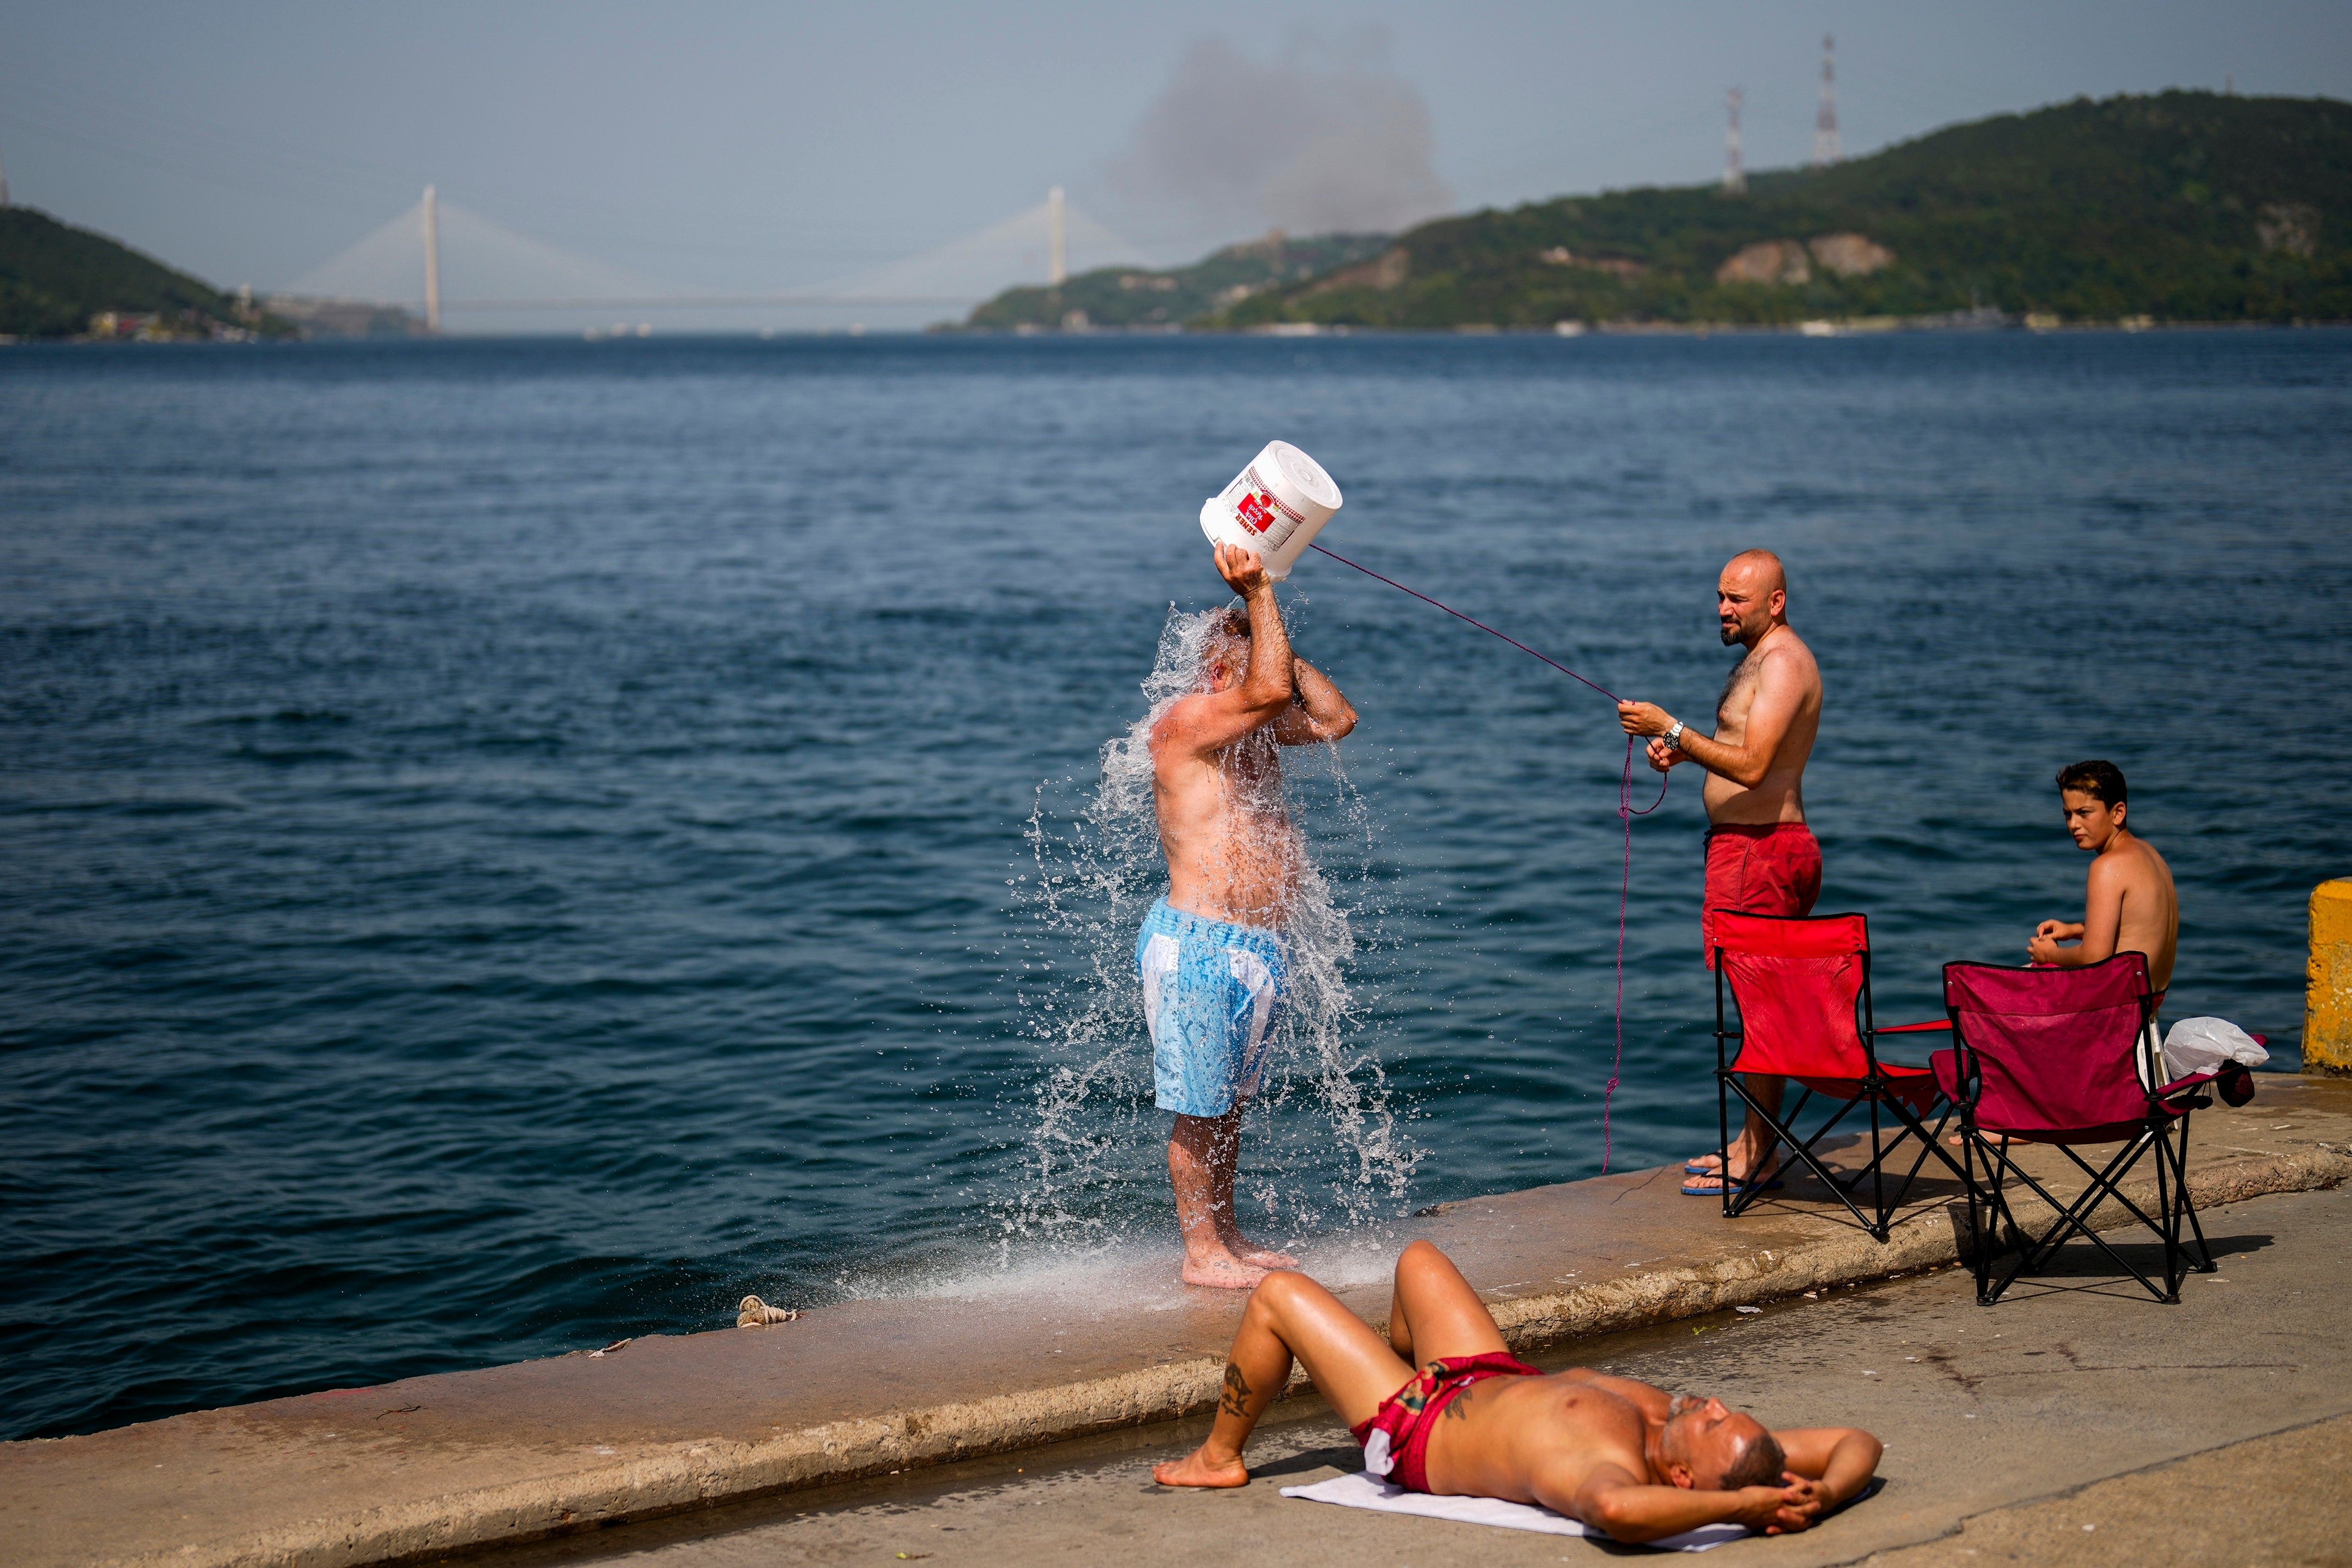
(2051, 1055)
(1801, 986)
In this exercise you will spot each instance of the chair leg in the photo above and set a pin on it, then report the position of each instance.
(1998, 1159)
(2173, 1206)
(1936, 1144)
(2072, 1217)
(1802, 1150)
(2107, 1181)
(1997, 1214)
(2188, 1205)
(2075, 1218)
(1723, 1132)
(1980, 1241)
(1985, 1209)
(2169, 1230)
(1911, 1127)
(2174, 1157)
(1877, 1175)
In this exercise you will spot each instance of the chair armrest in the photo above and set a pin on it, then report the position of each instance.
(2183, 1085)
(1911, 1028)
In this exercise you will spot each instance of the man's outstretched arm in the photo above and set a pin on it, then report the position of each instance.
(1632, 1511)
(1780, 694)
(1837, 1460)
(1217, 719)
(2102, 923)
(1318, 713)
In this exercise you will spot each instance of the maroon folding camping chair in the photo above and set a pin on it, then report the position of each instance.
(2052, 1056)
(1802, 987)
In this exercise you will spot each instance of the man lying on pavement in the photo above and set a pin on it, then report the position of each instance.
(1450, 1412)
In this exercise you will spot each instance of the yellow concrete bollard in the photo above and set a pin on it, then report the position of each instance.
(2327, 1010)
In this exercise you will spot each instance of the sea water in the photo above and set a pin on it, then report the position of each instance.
(510, 845)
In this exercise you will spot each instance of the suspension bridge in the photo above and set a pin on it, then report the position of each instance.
(437, 258)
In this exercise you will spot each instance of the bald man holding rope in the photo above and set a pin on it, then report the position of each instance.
(1761, 857)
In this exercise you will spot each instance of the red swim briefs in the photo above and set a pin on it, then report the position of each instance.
(1396, 1440)
(1764, 869)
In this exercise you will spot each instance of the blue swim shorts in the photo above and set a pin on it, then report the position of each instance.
(1211, 996)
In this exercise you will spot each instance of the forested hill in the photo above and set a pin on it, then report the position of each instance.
(55, 278)
(1152, 299)
(2181, 206)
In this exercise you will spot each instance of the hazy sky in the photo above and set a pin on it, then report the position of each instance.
(751, 147)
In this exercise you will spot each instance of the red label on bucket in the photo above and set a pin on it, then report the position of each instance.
(1256, 510)
(1260, 508)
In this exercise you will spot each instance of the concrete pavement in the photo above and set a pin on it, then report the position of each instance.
(2275, 1499)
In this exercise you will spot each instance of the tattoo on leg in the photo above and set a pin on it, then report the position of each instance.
(1237, 1394)
(1457, 1408)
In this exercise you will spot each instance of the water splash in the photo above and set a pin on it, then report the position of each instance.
(1321, 1149)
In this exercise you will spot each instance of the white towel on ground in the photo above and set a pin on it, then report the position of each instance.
(1363, 1490)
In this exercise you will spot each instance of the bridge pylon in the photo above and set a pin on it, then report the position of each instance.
(431, 209)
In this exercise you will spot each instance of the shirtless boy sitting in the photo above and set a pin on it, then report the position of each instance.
(2128, 904)
(1450, 1412)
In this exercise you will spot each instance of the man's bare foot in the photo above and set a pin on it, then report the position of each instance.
(1265, 1257)
(1222, 1271)
(1711, 1183)
(1197, 1469)
(1711, 1164)
(1257, 1257)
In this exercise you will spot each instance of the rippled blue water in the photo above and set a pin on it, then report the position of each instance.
(513, 844)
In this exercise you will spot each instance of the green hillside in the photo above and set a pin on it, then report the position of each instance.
(2181, 207)
(55, 278)
(1139, 297)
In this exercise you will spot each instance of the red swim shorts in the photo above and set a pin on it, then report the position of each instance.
(1767, 868)
(1396, 1440)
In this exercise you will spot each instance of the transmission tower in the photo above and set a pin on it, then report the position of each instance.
(1825, 136)
(1735, 177)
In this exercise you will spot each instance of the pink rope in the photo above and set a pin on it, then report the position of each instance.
(1460, 616)
(1625, 815)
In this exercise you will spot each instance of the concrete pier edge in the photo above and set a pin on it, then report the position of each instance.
(690, 1475)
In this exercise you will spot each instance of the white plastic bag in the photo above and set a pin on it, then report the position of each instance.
(2201, 1045)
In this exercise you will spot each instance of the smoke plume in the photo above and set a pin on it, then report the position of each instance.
(1307, 145)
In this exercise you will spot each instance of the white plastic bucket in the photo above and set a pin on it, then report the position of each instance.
(1276, 506)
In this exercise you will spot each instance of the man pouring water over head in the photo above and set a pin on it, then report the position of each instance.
(1213, 958)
